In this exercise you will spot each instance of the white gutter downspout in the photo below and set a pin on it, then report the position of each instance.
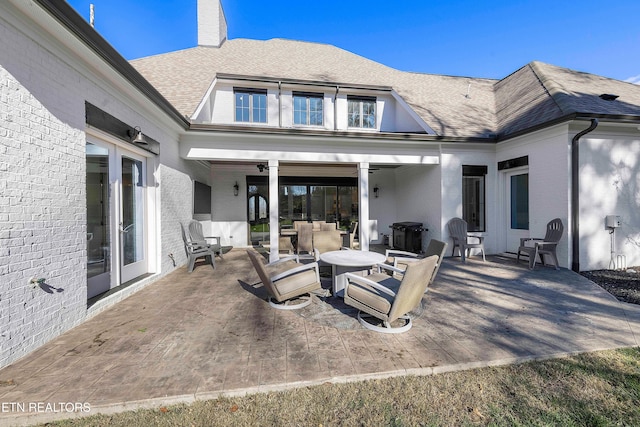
(280, 104)
(335, 109)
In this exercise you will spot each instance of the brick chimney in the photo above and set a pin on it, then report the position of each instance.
(212, 25)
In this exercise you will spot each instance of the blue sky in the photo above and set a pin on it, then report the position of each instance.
(452, 37)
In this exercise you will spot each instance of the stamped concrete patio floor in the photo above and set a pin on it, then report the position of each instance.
(197, 336)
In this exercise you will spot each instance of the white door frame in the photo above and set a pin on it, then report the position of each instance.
(117, 150)
(510, 237)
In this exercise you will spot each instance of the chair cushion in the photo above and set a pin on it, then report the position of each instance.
(371, 297)
(296, 284)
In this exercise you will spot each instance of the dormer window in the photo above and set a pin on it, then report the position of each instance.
(362, 112)
(307, 109)
(251, 105)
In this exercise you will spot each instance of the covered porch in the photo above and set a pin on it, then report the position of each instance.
(261, 184)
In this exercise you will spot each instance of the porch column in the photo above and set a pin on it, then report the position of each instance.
(274, 226)
(363, 206)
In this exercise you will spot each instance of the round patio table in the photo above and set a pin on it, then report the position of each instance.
(346, 261)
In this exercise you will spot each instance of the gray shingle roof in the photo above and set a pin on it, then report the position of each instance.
(535, 94)
(538, 93)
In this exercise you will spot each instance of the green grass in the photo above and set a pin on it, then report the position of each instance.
(592, 389)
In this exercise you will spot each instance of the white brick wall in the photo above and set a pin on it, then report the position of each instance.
(42, 221)
(177, 195)
(43, 90)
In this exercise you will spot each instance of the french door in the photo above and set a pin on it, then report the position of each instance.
(517, 215)
(116, 228)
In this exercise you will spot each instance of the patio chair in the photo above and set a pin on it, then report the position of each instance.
(285, 245)
(296, 224)
(458, 232)
(285, 285)
(543, 247)
(326, 241)
(402, 258)
(317, 225)
(328, 226)
(197, 238)
(305, 240)
(196, 251)
(389, 299)
(353, 234)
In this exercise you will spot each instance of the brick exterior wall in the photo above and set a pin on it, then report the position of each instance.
(43, 90)
(42, 221)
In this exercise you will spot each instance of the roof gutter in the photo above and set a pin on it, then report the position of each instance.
(575, 195)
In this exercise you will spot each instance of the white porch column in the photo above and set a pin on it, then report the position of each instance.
(274, 208)
(363, 206)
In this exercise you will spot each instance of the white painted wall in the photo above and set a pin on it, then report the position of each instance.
(418, 198)
(609, 185)
(452, 162)
(384, 208)
(391, 116)
(549, 184)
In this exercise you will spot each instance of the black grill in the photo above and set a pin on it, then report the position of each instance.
(407, 236)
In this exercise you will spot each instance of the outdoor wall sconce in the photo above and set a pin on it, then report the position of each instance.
(236, 189)
(376, 191)
(136, 136)
(262, 167)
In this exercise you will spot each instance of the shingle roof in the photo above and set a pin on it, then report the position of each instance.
(538, 93)
(535, 94)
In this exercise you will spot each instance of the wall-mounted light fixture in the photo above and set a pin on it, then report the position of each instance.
(261, 167)
(236, 189)
(136, 136)
(376, 191)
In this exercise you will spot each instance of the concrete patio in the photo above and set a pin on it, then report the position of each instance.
(196, 336)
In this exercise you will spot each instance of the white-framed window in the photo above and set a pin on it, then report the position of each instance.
(250, 105)
(362, 112)
(474, 196)
(308, 109)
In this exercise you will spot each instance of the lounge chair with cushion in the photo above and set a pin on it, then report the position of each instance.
(458, 232)
(287, 282)
(543, 247)
(388, 299)
(402, 258)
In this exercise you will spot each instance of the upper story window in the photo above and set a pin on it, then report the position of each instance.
(251, 105)
(307, 109)
(362, 112)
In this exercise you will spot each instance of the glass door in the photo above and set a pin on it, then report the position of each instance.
(518, 208)
(99, 229)
(116, 228)
(132, 213)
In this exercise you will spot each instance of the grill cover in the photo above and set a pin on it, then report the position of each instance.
(407, 236)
